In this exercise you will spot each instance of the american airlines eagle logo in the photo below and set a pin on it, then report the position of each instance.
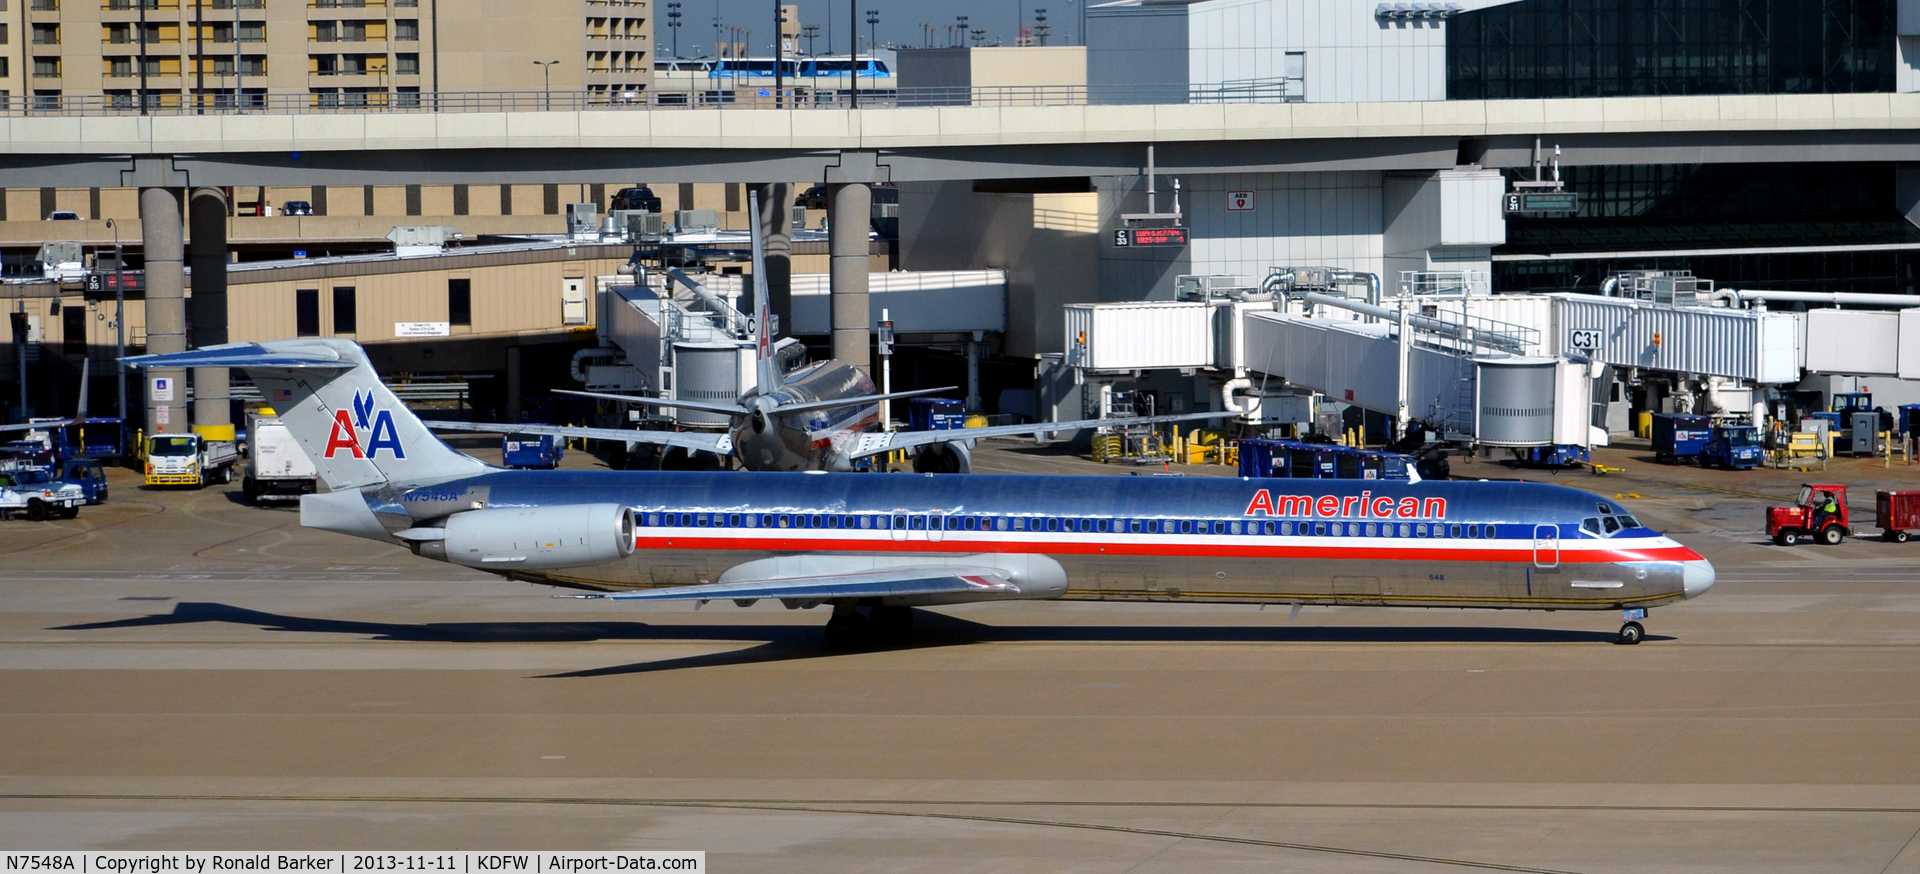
(375, 423)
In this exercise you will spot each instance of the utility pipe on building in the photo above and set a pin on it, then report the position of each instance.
(1857, 298)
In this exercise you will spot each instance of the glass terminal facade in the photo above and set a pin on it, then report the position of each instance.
(1618, 48)
(1737, 224)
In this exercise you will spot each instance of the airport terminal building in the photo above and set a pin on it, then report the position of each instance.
(1503, 148)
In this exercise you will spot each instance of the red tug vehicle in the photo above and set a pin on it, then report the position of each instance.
(1819, 512)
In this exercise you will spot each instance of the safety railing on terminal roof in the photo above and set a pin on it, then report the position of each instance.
(746, 96)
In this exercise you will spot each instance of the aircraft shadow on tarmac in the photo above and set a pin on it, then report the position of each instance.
(783, 642)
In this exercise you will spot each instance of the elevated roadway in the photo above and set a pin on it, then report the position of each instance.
(331, 146)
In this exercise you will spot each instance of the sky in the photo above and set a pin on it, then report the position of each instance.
(900, 21)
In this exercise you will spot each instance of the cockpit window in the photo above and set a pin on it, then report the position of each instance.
(1612, 525)
(1591, 525)
(1630, 522)
(1606, 509)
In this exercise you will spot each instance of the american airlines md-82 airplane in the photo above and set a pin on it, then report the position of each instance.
(888, 543)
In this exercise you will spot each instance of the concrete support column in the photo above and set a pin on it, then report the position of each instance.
(849, 216)
(207, 217)
(161, 241)
(513, 383)
(776, 229)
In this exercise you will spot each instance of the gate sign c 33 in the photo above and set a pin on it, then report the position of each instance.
(1126, 238)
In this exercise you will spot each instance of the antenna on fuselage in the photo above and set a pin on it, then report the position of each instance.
(767, 373)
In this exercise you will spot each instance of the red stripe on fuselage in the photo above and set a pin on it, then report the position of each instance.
(1518, 554)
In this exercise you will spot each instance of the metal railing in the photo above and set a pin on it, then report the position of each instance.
(797, 96)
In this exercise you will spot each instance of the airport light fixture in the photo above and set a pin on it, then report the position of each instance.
(873, 22)
(119, 321)
(673, 23)
(546, 72)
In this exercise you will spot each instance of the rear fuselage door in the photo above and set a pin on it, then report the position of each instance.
(1546, 546)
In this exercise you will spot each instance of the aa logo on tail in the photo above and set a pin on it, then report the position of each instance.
(377, 424)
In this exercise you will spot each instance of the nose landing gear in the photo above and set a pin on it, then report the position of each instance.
(1632, 632)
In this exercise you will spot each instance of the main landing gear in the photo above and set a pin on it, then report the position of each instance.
(1632, 632)
(849, 629)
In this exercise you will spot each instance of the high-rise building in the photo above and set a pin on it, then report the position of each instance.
(215, 53)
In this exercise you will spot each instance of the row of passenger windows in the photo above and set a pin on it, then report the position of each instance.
(913, 522)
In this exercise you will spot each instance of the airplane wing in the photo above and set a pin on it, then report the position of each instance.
(717, 443)
(245, 355)
(876, 443)
(867, 584)
(60, 423)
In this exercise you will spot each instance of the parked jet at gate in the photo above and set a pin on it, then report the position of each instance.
(887, 543)
(821, 418)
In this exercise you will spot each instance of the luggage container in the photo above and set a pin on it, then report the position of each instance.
(1679, 437)
(1896, 514)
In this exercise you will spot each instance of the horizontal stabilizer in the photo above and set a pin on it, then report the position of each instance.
(833, 403)
(722, 409)
(720, 443)
(876, 444)
(315, 357)
(870, 584)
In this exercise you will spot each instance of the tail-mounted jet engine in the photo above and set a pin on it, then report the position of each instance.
(535, 538)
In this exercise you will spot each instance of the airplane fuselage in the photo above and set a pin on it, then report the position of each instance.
(1454, 544)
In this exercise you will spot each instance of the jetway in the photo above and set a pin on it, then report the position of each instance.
(1472, 377)
(687, 345)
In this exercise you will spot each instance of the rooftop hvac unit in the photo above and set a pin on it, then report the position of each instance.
(696, 221)
(643, 225)
(583, 218)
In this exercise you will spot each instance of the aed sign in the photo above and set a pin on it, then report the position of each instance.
(1239, 201)
(163, 389)
(1127, 238)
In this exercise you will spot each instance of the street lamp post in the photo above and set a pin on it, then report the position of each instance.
(873, 21)
(810, 31)
(119, 320)
(546, 72)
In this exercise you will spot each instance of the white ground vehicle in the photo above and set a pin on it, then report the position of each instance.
(276, 465)
(39, 496)
(189, 460)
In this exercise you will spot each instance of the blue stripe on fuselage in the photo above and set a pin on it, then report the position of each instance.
(1116, 496)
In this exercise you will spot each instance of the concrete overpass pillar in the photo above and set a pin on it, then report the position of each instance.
(849, 217)
(776, 228)
(161, 242)
(207, 217)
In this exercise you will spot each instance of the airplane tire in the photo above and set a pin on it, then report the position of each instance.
(1631, 633)
(1832, 535)
(846, 632)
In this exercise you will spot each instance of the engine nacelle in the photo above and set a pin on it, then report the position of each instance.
(534, 538)
(952, 457)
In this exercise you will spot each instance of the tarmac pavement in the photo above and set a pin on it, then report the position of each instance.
(179, 670)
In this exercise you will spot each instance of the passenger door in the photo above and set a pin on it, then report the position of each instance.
(1546, 546)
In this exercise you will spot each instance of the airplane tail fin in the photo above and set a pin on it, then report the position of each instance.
(767, 366)
(326, 391)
